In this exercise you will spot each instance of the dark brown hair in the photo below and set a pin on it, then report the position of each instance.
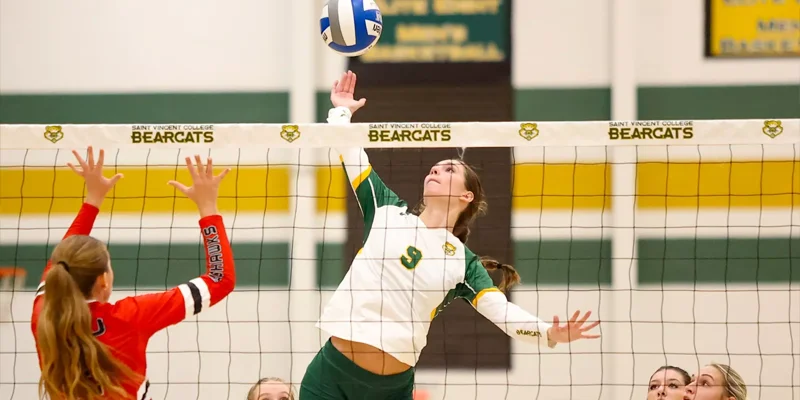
(75, 364)
(685, 377)
(253, 393)
(476, 208)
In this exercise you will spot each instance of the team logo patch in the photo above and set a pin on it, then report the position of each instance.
(290, 133)
(53, 133)
(772, 128)
(449, 249)
(528, 131)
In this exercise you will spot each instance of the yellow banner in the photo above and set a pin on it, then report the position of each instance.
(754, 28)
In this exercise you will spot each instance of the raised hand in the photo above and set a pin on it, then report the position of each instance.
(572, 330)
(342, 93)
(205, 186)
(97, 185)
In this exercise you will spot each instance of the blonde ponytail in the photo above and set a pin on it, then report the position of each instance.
(75, 365)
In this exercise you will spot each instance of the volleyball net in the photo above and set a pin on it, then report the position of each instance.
(682, 237)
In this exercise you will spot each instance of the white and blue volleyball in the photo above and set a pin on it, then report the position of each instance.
(351, 27)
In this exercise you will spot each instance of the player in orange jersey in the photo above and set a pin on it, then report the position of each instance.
(90, 349)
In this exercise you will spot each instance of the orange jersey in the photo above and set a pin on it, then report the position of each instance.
(126, 326)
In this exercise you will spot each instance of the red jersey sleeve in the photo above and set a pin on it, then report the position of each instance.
(81, 225)
(154, 312)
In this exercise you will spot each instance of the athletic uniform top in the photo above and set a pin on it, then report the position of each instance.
(406, 274)
(126, 326)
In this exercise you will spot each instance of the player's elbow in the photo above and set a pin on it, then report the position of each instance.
(230, 286)
(227, 285)
(221, 281)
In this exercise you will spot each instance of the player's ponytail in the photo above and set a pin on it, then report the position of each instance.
(510, 275)
(75, 365)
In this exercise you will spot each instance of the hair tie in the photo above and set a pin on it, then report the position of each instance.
(64, 265)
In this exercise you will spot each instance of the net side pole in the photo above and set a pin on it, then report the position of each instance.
(303, 299)
(618, 335)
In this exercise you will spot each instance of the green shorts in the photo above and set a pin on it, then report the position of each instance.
(332, 376)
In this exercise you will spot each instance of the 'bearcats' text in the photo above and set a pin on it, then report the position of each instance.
(172, 137)
(685, 132)
(405, 135)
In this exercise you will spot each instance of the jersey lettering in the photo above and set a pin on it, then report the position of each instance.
(101, 328)
(214, 254)
(527, 332)
(412, 257)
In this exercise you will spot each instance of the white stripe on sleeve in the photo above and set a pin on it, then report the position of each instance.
(205, 294)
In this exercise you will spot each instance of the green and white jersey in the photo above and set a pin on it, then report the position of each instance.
(406, 273)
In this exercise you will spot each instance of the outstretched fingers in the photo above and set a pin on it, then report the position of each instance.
(81, 162)
(190, 166)
(209, 169)
(101, 158)
(352, 86)
(114, 179)
(581, 328)
(179, 186)
(199, 165)
(90, 156)
(341, 84)
(201, 172)
(75, 170)
(585, 317)
(574, 328)
(588, 328)
(575, 316)
(223, 174)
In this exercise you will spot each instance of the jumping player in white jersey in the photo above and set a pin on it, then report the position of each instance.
(411, 266)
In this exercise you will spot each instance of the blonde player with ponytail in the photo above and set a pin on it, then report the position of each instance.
(92, 349)
(412, 265)
(716, 382)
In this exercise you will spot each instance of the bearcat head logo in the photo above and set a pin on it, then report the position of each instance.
(528, 131)
(772, 128)
(290, 133)
(53, 133)
(449, 249)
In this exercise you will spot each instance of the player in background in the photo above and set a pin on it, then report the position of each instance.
(413, 263)
(271, 388)
(668, 383)
(716, 382)
(90, 349)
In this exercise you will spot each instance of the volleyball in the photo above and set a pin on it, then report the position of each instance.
(351, 27)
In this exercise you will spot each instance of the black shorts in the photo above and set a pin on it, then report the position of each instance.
(332, 376)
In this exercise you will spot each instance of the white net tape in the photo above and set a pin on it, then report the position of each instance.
(701, 220)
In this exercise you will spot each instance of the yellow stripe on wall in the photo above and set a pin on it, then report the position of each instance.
(772, 183)
(332, 189)
(37, 190)
(561, 186)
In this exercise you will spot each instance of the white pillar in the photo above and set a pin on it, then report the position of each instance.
(624, 17)
(619, 364)
(304, 41)
(303, 298)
